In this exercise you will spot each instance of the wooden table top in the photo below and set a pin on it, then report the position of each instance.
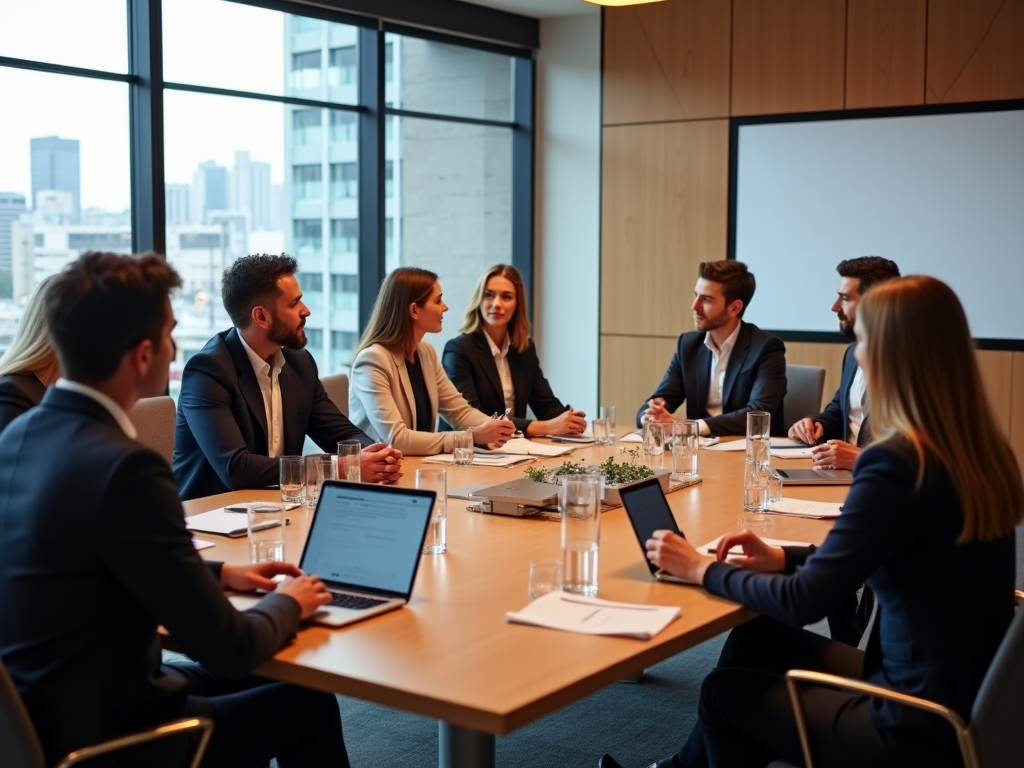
(450, 654)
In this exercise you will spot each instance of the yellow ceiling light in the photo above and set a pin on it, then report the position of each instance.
(621, 2)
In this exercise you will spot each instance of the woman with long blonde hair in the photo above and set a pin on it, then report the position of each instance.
(928, 524)
(398, 386)
(30, 364)
(494, 362)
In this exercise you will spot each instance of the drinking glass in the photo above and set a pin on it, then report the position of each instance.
(774, 487)
(435, 480)
(654, 444)
(293, 478)
(462, 448)
(265, 529)
(349, 453)
(319, 467)
(545, 576)
(607, 412)
(685, 448)
(758, 426)
(579, 501)
(755, 487)
(600, 429)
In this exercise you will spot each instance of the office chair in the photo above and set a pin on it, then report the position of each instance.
(21, 747)
(337, 389)
(990, 740)
(804, 387)
(153, 417)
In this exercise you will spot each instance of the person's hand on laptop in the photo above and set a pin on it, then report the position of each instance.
(674, 554)
(379, 463)
(757, 556)
(835, 454)
(308, 591)
(249, 578)
(807, 431)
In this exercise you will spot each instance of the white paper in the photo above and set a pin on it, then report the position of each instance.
(482, 459)
(520, 446)
(790, 453)
(732, 445)
(786, 443)
(202, 543)
(801, 508)
(638, 437)
(586, 436)
(233, 524)
(593, 616)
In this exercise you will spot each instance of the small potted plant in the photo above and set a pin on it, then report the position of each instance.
(617, 475)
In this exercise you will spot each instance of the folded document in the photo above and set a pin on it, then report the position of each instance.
(593, 616)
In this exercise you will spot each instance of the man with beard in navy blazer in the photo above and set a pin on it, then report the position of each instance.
(726, 367)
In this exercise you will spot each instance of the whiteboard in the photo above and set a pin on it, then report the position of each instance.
(939, 194)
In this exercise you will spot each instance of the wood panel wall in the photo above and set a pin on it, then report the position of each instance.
(675, 71)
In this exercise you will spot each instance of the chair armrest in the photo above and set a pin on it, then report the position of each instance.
(203, 725)
(796, 676)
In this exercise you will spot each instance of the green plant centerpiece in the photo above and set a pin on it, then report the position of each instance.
(622, 473)
(616, 473)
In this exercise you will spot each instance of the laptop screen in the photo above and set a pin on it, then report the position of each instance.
(368, 535)
(648, 512)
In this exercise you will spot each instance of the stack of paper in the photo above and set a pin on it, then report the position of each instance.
(222, 523)
(483, 459)
(520, 446)
(801, 508)
(593, 616)
(787, 448)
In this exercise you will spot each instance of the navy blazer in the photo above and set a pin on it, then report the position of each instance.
(18, 393)
(836, 416)
(470, 365)
(220, 437)
(755, 380)
(943, 607)
(94, 556)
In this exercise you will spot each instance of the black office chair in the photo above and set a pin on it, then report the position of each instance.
(21, 747)
(992, 738)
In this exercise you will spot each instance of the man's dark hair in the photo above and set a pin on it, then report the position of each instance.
(737, 281)
(252, 281)
(102, 305)
(868, 270)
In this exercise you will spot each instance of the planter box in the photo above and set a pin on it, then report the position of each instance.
(611, 492)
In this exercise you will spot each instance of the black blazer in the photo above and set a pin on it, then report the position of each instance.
(220, 437)
(94, 556)
(18, 393)
(903, 544)
(836, 416)
(755, 380)
(470, 365)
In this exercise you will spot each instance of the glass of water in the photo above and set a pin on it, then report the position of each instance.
(319, 467)
(462, 448)
(685, 448)
(579, 501)
(266, 532)
(545, 576)
(607, 412)
(755, 487)
(435, 480)
(774, 487)
(349, 454)
(293, 478)
(654, 444)
(600, 429)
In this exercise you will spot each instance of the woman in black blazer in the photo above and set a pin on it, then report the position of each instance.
(497, 333)
(928, 524)
(30, 364)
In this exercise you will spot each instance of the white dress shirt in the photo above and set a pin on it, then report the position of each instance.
(267, 375)
(504, 372)
(719, 363)
(857, 406)
(115, 410)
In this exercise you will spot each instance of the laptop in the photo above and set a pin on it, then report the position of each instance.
(648, 511)
(815, 476)
(364, 543)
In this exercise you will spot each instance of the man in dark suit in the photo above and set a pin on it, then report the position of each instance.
(94, 556)
(726, 367)
(252, 393)
(839, 431)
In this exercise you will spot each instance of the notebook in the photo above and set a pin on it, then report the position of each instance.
(364, 543)
(815, 476)
(648, 512)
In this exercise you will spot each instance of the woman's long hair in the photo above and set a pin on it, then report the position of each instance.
(31, 350)
(924, 385)
(390, 321)
(518, 324)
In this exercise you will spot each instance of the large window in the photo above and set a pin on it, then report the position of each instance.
(268, 126)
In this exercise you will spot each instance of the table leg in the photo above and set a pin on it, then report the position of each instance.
(463, 748)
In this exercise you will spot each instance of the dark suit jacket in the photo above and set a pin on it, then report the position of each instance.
(470, 366)
(94, 555)
(755, 380)
(220, 437)
(836, 416)
(904, 545)
(18, 393)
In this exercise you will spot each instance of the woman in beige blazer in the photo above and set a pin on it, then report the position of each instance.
(398, 385)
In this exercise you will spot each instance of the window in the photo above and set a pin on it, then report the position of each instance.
(344, 180)
(308, 235)
(314, 337)
(344, 126)
(100, 241)
(389, 63)
(305, 24)
(190, 240)
(345, 283)
(344, 340)
(305, 74)
(344, 236)
(311, 282)
(306, 182)
(389, 178)
(341, 69)
(306, 127)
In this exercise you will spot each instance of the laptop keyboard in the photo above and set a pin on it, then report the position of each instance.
(356, 602)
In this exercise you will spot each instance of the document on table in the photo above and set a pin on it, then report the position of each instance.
(223, 523)
(586, 436)
(732, 445)
(483, 459)
(712, 546)
(801, 508)
(638, 437)
(202, 543)
(787, 448)
(593, 616)
(520, 446)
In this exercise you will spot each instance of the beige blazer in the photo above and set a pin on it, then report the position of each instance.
(381, 401)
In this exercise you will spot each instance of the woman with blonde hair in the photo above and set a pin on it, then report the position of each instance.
(494, 362)
(928, 524)
(398, 386)
(30, 364)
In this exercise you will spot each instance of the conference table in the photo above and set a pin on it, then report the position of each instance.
(450, 654)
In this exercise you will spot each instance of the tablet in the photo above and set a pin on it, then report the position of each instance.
(648, 511)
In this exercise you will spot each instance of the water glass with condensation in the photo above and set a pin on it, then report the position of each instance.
(462, 448)
(266, 532)
(579, 501)
(349, 455)
(685, 449)
(435, 480)
(545, 576)
(293, 479)
(600, 429)
(319, 467)
(607, 412)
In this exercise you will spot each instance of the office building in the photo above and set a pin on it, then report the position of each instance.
(209, 190)
(178, 203)
(56, 165)
(251, 190)
(12, 205)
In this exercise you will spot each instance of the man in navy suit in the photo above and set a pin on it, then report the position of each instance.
(726, 367)
(253, 393)
(839, 432)
(95, 556)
